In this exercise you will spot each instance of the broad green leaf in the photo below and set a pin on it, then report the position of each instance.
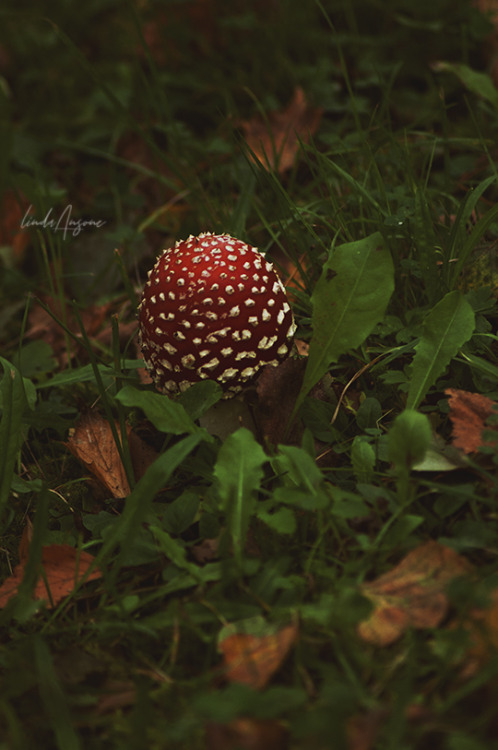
(282, 520)
(239, 470)
(362, 458)
(478, 83)
(166, 415)
(13, 403)
(298, 468)
(446, 328)
(349, 300)
(408, 439)
(181, 513)
(174, 550)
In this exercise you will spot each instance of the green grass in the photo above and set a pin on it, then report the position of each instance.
(130, 114)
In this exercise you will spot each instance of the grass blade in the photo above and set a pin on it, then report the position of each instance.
(12, 403)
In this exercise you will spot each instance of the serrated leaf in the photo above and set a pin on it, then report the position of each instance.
(349, 300)
(166, 415)
(239, 470)
(445, 330)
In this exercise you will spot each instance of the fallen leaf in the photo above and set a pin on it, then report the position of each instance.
(205, 551)
(117, 694)
(482, 626)
(43, 326)
(254, 659)
(468, 413)
(12, 210)
(275, 141)
(63, 566)
(412, 594)
(93, 444)
(247, 734)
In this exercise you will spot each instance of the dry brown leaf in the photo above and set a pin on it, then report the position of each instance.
(12, 210)
(63, 566)
(247, 734)
(142, 454)
(412, 594)
(93, 444)
(43, 326)
(252, 660)
(482, 626)
(275, 143)
(468, 413)
(117, 694)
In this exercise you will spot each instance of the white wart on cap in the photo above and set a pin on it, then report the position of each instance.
(213, 307)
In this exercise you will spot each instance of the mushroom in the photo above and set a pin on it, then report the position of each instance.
(213, 308)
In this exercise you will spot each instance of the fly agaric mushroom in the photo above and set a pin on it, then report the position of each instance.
(213, 308)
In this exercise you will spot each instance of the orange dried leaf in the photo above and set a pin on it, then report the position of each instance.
(252, 660)
(412, 594)
(468, 413)
(275, 142)
(12, 234)
(93, 444)
(482, 626)
(63, 567)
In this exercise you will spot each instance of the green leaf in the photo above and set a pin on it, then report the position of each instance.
(446, 328)
(478, 83)
(174, 550)
(13, 403)
(86, 373)
(362, 458)
(408, 439)
(283, 520)
(181, 513)
(55, 698)
(166, 415)
(349, 300)
(239, 470)
(297, 468)
(139, 502)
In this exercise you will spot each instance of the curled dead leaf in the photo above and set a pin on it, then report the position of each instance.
(63, 567)
(412, 594)
(274, 141)
(254, 659)
(246, 734)
(468, 413)
(92, 442)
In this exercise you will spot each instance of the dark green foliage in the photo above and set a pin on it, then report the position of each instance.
(131, 115)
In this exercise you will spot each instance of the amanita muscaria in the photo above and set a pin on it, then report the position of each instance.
(213, 307)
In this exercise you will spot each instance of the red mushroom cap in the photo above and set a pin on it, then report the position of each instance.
(213, 307)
